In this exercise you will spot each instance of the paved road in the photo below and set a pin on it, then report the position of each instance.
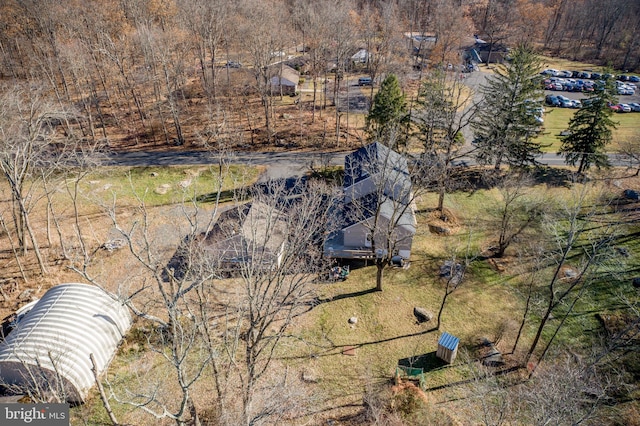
(290, 164)
(279, 164)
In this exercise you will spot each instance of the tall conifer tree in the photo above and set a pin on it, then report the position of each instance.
(509, 117)
(589, 130)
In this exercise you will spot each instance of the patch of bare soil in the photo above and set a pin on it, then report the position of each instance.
(500, 264)
(443, 223)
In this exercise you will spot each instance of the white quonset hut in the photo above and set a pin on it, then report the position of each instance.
(49, 350)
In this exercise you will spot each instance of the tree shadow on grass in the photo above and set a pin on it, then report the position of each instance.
(425, 362)
(319, 301)
(349, 349)
(224, 196)
(553, 176)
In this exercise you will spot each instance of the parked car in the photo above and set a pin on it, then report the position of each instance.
(634, 79)
(624, 108)
(615, 108)
(365, 81)
(588, 86)
(584, 74)
(625, 90)
(552, 100)
(565, 73)
(233, 64)
(550, 72)
(566, 103)
(635, 107)
(622, 77)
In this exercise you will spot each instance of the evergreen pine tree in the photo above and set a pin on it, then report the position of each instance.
(589, 130)
(508, 121)
(388, 113)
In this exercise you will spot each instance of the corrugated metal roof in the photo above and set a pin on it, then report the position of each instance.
(448, 341)
(70, 322)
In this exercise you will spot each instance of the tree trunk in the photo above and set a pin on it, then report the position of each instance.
(524, 318)
(379, 274)
(103, 395)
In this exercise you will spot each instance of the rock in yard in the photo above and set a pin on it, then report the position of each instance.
(422, 315)
(114, 244)
(185, 183)
(440, 230)
(25, 295)
(163, 189)
(353, 320)
(309, 376)
(493, 357)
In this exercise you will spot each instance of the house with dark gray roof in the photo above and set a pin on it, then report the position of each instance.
(376, 210)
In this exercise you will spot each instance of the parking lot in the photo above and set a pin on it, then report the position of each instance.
(560, 83)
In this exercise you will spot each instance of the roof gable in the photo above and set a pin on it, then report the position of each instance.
(372, 159)
(284, 75)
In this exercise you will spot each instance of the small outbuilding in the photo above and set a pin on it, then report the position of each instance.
(50, 349)
(447, 348)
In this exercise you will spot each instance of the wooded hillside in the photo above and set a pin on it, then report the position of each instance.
(158, 73)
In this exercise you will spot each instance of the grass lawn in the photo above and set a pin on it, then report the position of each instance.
(566, 64)
(166, 185)
(488, 304)
(557, 119)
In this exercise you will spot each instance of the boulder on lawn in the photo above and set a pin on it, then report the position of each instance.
(492, 356)
(439, 229)
(422, 315)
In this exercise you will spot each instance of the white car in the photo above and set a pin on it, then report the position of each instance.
(625, 90)
(624, 108)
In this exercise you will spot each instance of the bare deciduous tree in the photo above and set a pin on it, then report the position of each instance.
(28, 128)
(577, 249)
(629, 151)
(515, 212)
(444, 108)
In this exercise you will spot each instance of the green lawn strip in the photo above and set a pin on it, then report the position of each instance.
(556, 120)
(166, 185)
(565, 64)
